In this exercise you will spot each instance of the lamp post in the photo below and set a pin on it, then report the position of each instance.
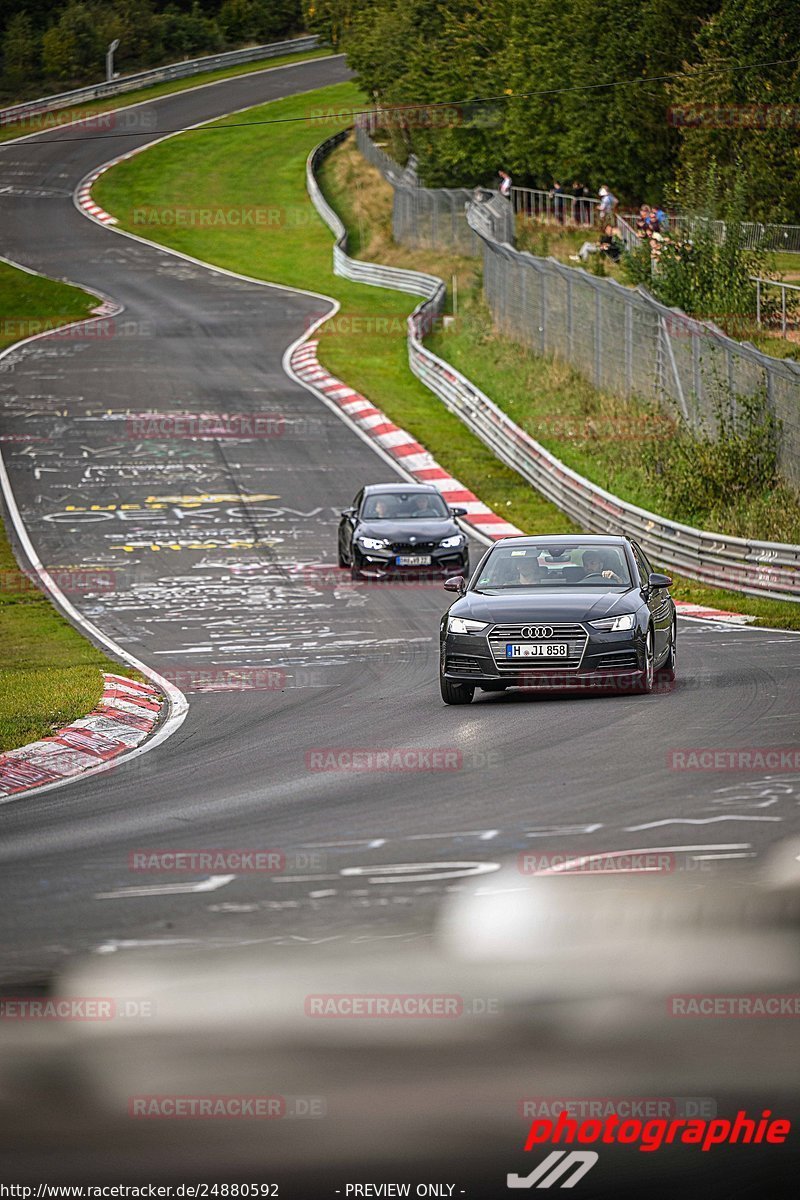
(110, 60)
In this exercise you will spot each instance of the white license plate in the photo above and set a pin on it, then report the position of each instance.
(537, 650)
(413, 560)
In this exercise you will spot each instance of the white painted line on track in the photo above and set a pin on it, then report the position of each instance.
(696, 821)
(212, 884)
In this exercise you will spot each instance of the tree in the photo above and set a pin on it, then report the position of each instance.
(21, 50)
(74, 47)
(747, 120)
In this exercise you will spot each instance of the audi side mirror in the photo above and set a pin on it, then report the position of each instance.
(456, 583)
(458, 512)
(655, 580)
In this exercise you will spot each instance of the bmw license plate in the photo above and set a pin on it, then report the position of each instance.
(413, 560)
(537, 650)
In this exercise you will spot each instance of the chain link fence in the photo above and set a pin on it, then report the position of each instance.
(426, 218)
(627, 343)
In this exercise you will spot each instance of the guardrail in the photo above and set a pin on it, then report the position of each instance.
(767, 569)
(415, 283)
(784, 288)
(181, 70)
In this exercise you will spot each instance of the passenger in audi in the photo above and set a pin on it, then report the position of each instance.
(529, 572)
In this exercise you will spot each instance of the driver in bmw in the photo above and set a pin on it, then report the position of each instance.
(594, 563)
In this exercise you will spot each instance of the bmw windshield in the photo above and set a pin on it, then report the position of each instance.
(404, 506)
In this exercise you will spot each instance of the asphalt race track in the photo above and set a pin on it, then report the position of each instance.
(242, 579)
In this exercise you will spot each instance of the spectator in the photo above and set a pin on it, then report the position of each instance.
(662, 218)
(611, 243)
(505, 184)
(558, 202)
(580, 192)
(608, 205)
(643, 222)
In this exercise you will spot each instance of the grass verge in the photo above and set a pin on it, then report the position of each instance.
(49, 674)
(365, 343)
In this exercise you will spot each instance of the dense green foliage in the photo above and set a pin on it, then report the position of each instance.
(702, 471)
(640, 136)
(48, 45)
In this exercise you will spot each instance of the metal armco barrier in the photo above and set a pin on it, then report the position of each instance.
(767, 569)
(130, 83)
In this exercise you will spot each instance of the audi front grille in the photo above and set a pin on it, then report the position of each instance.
(574, 635)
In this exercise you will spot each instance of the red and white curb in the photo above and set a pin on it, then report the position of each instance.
(410, 455)
(127, 713)
(85, 201)
(420, 463)
(701, 613)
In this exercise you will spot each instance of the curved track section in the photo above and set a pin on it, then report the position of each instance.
(221, 554)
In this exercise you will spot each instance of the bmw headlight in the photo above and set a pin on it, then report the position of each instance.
(373, 543)
(465, 625)
(614, 624)
(450, 542)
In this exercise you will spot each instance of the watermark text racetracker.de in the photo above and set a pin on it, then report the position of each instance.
(72, 582)
(240, 426)
(231, 216)
(610, 862)
(236, 1107)
(759, 1004)
(641, 1107)
(84, 119)
(362, 760)
(398, 1006)
(254, 860)
(736, 758)
(81, 1009)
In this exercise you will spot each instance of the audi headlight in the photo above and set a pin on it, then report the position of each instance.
(373, 543)
(614, 624)
(448, 542)
(465, 625)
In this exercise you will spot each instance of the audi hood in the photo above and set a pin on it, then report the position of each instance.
(560, 604)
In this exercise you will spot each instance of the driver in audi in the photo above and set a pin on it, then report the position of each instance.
(594, 563)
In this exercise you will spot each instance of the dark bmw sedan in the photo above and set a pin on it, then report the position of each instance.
(558, 612)
(396, 529)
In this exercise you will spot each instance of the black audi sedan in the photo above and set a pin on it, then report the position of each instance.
(558, 612)
(396, 529)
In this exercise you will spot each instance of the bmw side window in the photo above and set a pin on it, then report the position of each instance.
(357, 501)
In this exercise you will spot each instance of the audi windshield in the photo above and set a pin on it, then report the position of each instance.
(580, 565)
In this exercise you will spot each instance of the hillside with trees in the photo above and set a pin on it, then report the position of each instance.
(648, 137)
(48, 46)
